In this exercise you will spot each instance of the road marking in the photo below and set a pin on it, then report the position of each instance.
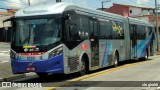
(5, 52)
(2, 54)
(66, 83)
(4, 61)
(158, 87)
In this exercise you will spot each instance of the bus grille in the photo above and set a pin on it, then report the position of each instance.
(73, 63)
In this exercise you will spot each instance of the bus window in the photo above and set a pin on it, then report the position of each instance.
(91, 29)
(141, 32)
(105, 30)
(71, 29)
(108, 30)
(138, 31)
(102, 30)
(150, 30)
(82, 27)
(131, 32)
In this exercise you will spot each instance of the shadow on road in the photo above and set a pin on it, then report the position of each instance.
(61, 77)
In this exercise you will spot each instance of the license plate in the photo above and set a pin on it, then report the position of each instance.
(30, 58)
(31, 69)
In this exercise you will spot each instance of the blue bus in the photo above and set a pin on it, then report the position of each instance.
(67, 38)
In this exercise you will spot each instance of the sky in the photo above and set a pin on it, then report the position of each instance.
(17, 4)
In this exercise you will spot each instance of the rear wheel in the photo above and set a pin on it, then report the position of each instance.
(82, 67)
(116, 60)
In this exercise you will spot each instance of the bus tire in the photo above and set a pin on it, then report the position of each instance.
(42, 75)
(82, 67)
(116, 59)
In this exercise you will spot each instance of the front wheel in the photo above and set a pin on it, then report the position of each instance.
(82, 67)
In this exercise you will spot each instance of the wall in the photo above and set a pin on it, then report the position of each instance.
(5, 35)
(119, 9)
(152, 19)
(6, 24)
(136, 11)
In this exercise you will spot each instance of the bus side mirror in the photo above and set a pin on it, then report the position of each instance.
(67, 17)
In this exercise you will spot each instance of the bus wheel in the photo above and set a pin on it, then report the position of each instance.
(42, 75)
(82, 67)
(116, 60)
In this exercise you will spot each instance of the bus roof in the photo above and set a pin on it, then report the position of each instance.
(59, 8)
(139, 22)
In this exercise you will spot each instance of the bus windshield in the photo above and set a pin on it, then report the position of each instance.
(36, 31)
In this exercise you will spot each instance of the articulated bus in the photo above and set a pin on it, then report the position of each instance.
(67, 38)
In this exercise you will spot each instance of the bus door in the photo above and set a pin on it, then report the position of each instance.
(94, 43)
(133, 41)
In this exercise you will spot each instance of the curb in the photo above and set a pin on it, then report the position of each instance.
(12, 78)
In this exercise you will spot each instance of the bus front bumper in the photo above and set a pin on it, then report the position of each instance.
(52, 65)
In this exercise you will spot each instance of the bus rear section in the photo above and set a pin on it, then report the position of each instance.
(142, 37)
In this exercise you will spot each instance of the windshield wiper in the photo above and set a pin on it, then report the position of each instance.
(24, 41)
(27, 39)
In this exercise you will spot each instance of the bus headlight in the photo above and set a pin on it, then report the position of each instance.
(55, 52)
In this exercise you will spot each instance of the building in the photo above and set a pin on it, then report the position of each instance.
(130, 10)
(135, 11)
(5, 28)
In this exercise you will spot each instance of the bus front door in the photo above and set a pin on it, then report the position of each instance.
(94, 43)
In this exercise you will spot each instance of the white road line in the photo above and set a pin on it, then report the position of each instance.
(158, 87)
(4, 61)
(2, 54)
(5, 51)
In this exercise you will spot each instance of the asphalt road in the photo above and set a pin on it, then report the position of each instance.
(4, 47)
(4, 58)
(4, 52)
(128, 76)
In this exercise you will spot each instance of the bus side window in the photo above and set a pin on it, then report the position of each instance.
(108, 30)
(138, 31)
(82, 27)
(131, 31)
(91, 29)
(102, 30)
(71, 29)
(143, 32)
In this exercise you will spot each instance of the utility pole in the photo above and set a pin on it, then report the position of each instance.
(104, 2)
(29, 2)
(58, 0)
(157, 27)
